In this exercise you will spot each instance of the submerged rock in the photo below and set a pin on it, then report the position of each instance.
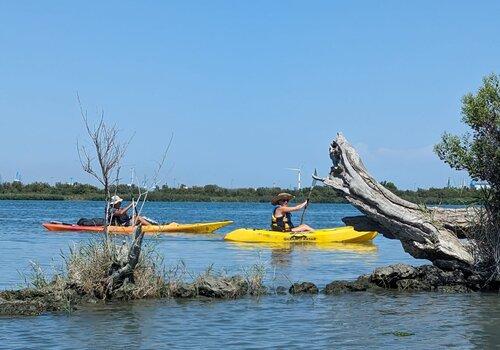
(303, 288)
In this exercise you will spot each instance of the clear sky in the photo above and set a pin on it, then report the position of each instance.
(247, 87)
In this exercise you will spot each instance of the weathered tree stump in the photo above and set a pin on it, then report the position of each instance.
(427, 233)
(123, 271)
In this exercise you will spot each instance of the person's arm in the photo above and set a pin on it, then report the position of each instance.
(295, 208)
(122, 211)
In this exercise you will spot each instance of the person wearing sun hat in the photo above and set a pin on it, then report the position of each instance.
(281, 219)
(118, 216)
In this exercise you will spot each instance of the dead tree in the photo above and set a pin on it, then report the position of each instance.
(109, 152)
(426, 233)
(122, 270)
(103, 163)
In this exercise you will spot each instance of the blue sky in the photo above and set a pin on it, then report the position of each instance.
(247, 88)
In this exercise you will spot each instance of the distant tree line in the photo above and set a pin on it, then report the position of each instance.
(214, 193)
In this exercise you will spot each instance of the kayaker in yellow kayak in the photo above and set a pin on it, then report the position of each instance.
(281, 219)
(119, 217)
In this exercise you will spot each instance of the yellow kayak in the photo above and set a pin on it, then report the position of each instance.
(345, 234)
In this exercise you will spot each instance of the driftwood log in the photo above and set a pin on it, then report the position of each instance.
(123, 271)
(435, 234)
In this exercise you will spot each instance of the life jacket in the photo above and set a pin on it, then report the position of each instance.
(283, 223)
(118, 220)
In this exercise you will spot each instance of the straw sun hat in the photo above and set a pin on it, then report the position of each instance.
(282, 196)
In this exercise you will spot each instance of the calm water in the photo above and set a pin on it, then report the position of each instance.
(354, 320)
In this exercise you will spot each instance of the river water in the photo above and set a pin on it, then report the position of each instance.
(355, 320)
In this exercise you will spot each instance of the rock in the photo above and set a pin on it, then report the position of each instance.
(183, 290)
(281, 290)
(240, 284)
(23, 294)
(475, 282)
(213, 287)
(388, 276)
(360, 285)
(423, 278)
(23, 302)
(430, 274)
(337, 287)
(412, 285)
(21, 307)
(260, 290)
(303, 288)
(451, 265)
(434, 276)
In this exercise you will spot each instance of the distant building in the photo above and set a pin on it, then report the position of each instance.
(477, 185)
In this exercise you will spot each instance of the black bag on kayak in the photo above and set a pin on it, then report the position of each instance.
(91, 222)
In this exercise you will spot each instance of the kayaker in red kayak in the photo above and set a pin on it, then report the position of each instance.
(119, 217)
(281, 219)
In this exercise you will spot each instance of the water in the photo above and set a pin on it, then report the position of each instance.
(356, 320)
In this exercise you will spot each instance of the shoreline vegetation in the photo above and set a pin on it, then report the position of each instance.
(214, 193)
(82, 282)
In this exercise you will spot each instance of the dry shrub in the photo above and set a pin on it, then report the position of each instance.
(176, 277)
(36, 277)
(254, 276)
(149, 274)
(88, 267)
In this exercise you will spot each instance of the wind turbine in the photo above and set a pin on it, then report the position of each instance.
(132, 176)
(298, 176)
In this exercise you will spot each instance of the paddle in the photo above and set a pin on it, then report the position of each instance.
(309, 196)
(136, 214)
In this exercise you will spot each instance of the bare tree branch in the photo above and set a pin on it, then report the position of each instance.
(108, 153)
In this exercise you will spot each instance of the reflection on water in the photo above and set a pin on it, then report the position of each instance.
(281, 253)
(356, 320)
(361, 248)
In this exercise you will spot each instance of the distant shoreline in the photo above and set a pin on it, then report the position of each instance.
(214, 193)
